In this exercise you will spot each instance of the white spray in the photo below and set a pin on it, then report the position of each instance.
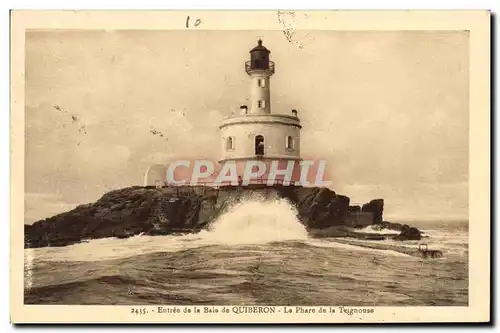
(257, 221)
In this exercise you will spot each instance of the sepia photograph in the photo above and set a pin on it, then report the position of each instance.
(284, 170)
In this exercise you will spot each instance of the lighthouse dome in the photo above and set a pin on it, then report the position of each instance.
(260, 48)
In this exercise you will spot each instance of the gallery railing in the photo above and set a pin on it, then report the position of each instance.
(261, 65)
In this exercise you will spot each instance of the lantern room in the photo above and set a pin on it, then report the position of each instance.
(259, 59)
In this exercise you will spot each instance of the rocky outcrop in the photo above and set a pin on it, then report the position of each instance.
(124, 213)
(409, 233)
(161, 211)
(321, 208)
(376, 207)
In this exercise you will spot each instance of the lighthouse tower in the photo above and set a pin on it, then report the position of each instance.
(255, 135)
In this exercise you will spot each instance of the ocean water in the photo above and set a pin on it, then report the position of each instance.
(257, 253)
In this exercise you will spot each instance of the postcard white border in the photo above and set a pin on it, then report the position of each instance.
(477, 22)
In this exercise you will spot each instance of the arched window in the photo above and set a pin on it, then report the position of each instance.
(259, 145)
(230, 143)
(289, 144)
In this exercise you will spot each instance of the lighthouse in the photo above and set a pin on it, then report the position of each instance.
(255, 141)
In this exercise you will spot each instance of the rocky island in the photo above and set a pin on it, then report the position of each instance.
(149, 210)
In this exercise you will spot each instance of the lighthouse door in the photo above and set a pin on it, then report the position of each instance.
(259, 145)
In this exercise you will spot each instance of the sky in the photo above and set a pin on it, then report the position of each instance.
(388, 111)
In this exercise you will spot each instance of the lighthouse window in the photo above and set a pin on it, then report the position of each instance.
(262, 83)
(261, 104)
(289, 142)
(230, 143)
(259, 145)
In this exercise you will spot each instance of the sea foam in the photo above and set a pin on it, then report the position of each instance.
(257, 221)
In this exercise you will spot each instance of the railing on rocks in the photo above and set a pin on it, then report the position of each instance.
(207, 185)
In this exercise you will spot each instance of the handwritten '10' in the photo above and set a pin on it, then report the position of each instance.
(196, 23)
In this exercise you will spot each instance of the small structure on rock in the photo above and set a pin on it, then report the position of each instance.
(156, 175)
(424, 251)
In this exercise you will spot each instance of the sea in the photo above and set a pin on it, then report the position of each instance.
(257, 253)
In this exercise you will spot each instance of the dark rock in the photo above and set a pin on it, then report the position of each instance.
(320, 207)
(354, 209)
(376, 207)
(408, 233)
